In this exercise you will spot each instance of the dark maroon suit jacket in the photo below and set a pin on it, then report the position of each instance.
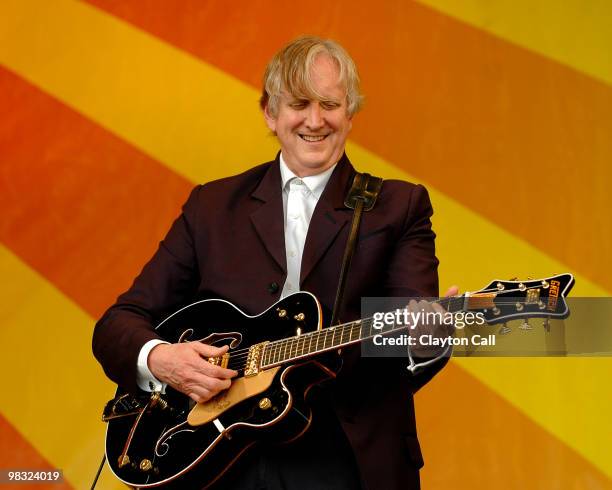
(229, 243)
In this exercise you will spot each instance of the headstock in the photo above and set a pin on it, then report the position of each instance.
(502, 301)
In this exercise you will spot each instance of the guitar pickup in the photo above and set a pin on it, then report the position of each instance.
(222, 361)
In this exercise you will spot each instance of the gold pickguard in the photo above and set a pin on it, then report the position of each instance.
(241, 389)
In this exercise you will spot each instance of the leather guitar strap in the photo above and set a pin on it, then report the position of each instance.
(361, 197)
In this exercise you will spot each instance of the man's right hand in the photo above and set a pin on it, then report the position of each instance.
(184, 367)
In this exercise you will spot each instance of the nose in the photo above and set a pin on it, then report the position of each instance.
(314, 116)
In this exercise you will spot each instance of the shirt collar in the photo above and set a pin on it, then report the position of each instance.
(315, 183)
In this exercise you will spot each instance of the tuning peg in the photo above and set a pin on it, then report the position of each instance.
(525, 325)
(546, 324)
(505, 329)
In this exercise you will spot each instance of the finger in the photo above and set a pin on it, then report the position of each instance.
(452, 291)
(207, 350)
(424, 305)
(437, 307)
(209, 369)
(200, 395)
(215, 385)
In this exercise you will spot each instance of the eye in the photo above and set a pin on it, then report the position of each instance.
(329, 105)
(298, 105)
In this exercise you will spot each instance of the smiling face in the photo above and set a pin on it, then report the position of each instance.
(312, 131)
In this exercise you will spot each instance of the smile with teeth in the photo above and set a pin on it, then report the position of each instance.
(313, 138)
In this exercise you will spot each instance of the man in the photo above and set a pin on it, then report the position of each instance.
(276, 229)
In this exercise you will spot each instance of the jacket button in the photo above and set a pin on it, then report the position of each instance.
(273, 287)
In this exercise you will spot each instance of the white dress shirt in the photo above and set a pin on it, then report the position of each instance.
(300, 197)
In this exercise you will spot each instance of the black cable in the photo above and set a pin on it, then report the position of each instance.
(93, 485)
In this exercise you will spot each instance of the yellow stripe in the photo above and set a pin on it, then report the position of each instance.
(53, 390)
(204, 124)
(573, 32)
(570, 397)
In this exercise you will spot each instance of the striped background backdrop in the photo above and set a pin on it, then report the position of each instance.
(111, 110)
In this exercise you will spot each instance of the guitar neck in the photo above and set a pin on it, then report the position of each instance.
(313, 343)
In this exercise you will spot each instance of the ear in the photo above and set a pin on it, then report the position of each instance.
(270, 120)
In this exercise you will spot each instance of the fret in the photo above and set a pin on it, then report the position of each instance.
(292, 346)
(301, 340)
(267, 352)
(285, 351)
(321, 340)
(265, 355)
(349, 331)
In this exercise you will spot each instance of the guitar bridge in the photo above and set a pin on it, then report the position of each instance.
(254, 357)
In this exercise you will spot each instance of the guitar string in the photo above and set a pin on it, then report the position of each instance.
(344, 328)
(277, 345)
(295, 350)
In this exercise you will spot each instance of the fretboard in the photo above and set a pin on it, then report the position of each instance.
(313, 343)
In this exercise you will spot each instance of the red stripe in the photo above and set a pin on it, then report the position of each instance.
(16, 453)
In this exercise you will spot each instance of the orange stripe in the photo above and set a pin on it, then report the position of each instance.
(515, 136)
(481, 441)
(17, 453)
(80, 205)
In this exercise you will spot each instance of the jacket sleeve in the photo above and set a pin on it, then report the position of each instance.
(165, 283)
(412, 271)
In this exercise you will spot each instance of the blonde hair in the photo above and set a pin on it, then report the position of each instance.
(290, 70)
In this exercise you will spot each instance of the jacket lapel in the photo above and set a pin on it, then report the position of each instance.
(329, 217)
(269, 219)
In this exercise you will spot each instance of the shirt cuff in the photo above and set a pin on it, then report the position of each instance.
(413, 366)
(144, 377)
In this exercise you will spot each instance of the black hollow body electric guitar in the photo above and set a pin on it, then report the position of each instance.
(165, 439)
